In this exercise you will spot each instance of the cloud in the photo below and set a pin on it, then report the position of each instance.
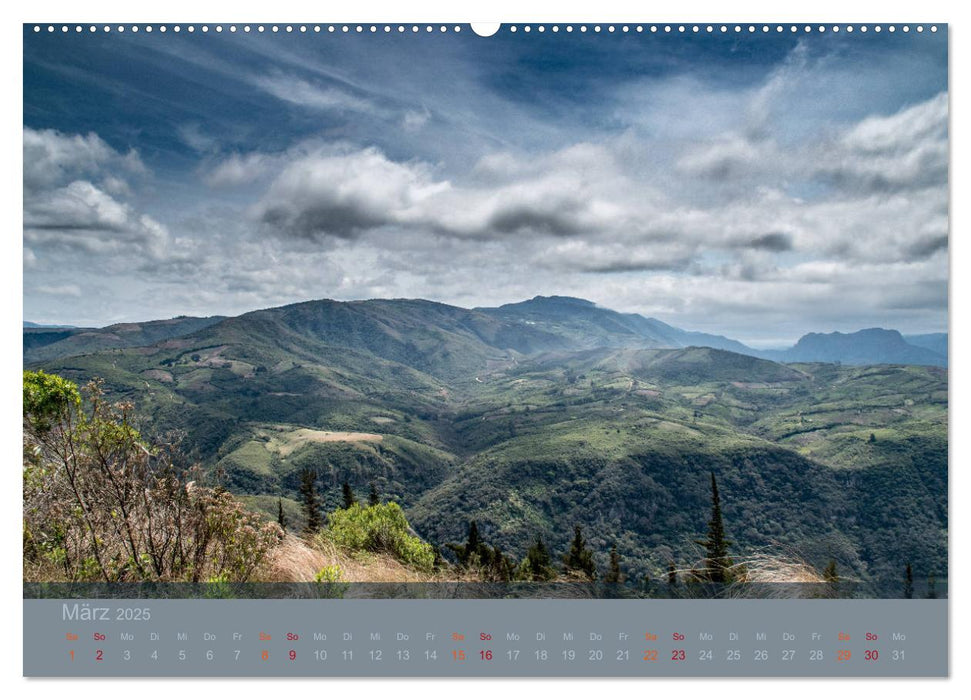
(907, 150)
(758, 195)
(775, 242)
(72, 198)
(64, 290)
(343, 194)
(82, 216)
(413, 120)
(195, 138)
(51, 157)
(316, 96)
(238, 170)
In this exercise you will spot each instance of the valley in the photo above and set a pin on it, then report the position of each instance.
(535, 417)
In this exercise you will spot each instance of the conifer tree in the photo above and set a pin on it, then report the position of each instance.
(281, 519)
(579, 558)
(614, 574)
(473, 544)
(310, 501)
(349, 498)
(908, 582)
(718, 564)
(538, 565)
(373, 499)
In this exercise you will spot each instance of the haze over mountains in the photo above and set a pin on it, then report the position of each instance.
(541, 323)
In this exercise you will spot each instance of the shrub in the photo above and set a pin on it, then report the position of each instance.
(100, 504)
(380, 528)
(329, 574)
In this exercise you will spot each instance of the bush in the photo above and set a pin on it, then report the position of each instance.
(380, 528)
(102, 505)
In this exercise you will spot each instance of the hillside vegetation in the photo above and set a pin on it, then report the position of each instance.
(530, 422)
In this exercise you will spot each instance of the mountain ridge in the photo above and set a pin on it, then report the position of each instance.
(539, 324)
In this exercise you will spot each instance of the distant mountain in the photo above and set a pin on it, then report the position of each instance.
(870, 346)
(932, 341)
(586, 325)
(48, 343)
(31, 324)
(449, 341)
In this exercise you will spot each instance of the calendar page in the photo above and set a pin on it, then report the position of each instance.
(518, 350)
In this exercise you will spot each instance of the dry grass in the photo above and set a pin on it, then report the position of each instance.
(285, 440)
(774, 575)
(297, 560)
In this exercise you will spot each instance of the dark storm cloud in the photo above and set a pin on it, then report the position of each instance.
(529, 220)
(927, 246)
(774, 242)
(341, 220)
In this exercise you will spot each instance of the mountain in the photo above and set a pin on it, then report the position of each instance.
(50, 342)
(31, 324)
(870, 346)
(448, 340)
(587, 325)
(936, 342)
(533, 417)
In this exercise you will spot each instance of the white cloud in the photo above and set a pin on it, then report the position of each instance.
(51, 157)
(238, 170)
(74, 198)
(313, 96)
(64, 290)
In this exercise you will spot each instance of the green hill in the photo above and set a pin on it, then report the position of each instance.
(530, 428)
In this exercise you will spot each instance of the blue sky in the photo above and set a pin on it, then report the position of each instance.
(761, 186)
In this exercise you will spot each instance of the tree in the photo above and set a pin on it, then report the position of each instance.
(101, 503)
(614, 574)
(580, 558)
(872, 439)
(908, 582)
(470, 553)
(538, 565)
(373, 499)
(490, 562)
(718, 565)
(931, 586)
(310, 501)
(349, 498)
(281, 519)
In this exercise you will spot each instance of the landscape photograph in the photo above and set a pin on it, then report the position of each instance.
(401, 311)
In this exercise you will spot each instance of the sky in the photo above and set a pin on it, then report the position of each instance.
(760, 186)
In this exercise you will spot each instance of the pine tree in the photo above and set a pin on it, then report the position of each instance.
(579, 558)
(473, 545)
(538, 565)
(718, 564)
(349, 498)
(373, 499)
(281, 519)
(829, 573)
(310, 501)
(614, 575)
(908, 582)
